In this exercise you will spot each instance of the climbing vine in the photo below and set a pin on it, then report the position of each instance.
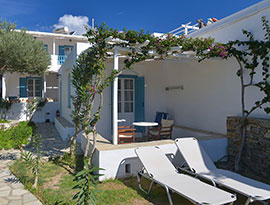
(90, 75)
(252, 57)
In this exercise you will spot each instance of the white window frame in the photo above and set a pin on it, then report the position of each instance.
(34, 87)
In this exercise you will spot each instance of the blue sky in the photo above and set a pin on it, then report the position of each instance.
(153, 16)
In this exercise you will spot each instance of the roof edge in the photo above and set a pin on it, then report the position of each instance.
(232, 18)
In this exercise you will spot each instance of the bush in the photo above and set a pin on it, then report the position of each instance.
(16, 136)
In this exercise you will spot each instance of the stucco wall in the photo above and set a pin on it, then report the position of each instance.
(232, 30)
(211, 89)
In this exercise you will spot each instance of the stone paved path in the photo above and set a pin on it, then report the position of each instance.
(51, 143)
(12, 192)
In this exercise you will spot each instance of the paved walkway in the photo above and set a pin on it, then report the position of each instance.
(51, 143)
(12, 192)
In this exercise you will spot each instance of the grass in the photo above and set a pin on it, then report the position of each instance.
(4, 121)
(56, 182)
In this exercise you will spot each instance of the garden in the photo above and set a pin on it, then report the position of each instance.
(71, 179)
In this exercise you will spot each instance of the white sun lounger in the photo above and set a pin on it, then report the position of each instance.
(201, 165)
(158, 168)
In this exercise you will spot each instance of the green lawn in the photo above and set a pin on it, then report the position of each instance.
(56, 182)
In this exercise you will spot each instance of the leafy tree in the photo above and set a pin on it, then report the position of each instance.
(21, 52)
(20, 134)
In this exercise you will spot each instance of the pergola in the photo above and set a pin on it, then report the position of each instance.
(117, 52)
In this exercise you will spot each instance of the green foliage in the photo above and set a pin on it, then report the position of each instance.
(90, 76)
(4, 106)
(31, 161)
(86, 182)
(20, 134)
(20, 52)
(4, 121)
(15, 136)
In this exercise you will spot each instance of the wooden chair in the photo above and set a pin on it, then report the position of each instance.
(163, 131)
(126, 134)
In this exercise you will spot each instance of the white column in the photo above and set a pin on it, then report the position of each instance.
(44, 86)
(4, 86)
(115, 100)
(53, 46)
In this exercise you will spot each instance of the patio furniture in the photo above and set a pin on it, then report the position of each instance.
(126, 134)
(143, 125)
(201, 165)
(160, 116)
(158, 169)
(162, 131)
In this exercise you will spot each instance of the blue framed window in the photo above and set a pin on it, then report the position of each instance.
(63, 52)
(30, 87)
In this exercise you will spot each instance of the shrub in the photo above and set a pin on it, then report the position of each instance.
(15, 136)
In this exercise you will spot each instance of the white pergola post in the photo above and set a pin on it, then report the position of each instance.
(44, 86)
(115, 100)
(4, 86)
(53, 46)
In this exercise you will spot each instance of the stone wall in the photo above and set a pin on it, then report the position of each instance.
(256, 154)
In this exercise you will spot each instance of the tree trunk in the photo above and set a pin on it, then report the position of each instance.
(243, 127)
(36, 178)
(94, 144)
(87, 146)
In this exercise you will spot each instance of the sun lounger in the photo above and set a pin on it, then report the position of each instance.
(158, 168)
(201, 165)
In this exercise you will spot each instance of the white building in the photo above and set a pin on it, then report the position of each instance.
(19, 88)
(211, 92)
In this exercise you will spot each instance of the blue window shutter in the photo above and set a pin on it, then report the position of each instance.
(23, 88)
(139, 99)
(62, 50)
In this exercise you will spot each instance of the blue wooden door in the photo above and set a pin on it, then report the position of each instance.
(139, 99)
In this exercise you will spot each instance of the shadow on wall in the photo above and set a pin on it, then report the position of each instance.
(46, 113)
(17, 112)
(131, 166)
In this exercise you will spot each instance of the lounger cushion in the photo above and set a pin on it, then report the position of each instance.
(162, 170)
(198, 160)
(196, 190)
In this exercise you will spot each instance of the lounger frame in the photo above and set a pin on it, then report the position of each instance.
(249, 200)
(145, 174)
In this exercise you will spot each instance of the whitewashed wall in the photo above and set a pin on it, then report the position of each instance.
(211, 88)
(48, 112)
(230, 28)
(66, 69)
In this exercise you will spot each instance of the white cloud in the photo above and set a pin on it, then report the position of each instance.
(74, 23)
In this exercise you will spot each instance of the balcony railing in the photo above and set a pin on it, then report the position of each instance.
(61, 59)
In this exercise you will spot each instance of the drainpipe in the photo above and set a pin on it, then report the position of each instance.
(115, 100)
